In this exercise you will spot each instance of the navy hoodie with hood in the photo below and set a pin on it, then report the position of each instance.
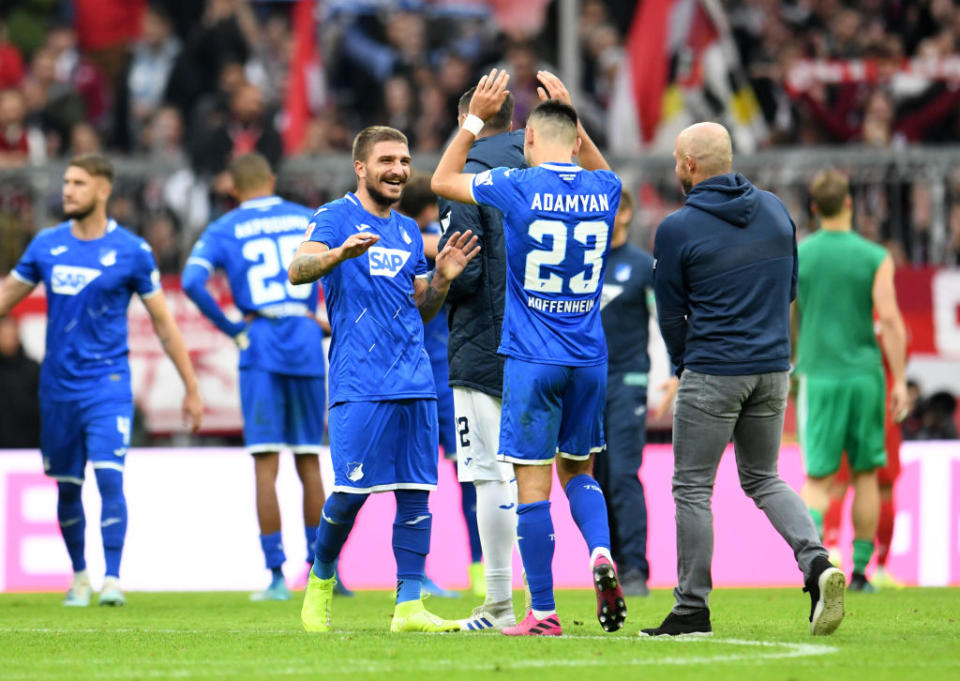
(725, 273)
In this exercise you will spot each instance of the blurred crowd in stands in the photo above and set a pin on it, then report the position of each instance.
(184, 85)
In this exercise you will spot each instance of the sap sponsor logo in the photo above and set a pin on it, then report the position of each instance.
(68, 280)
(58, 250)
(386, 262)
(108, 259)
(354, 471)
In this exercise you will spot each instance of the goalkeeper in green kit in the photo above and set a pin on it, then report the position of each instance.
(845, 281)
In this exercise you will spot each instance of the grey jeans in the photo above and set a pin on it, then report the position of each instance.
(710, 411)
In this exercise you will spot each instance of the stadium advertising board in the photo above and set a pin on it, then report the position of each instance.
(180, 539)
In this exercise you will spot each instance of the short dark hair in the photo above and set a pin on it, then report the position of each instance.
(829, 191)
(250, 171)
(626, 199)
(557, 113)
(94, 163)
(499, 122)
(417, 195)
(365, 140)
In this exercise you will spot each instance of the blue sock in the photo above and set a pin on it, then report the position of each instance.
(339, 512)
(310, 532)
(468, 501)
(589, 511)
(411, 541)
(73, 525)
(535, 537)
(272, 545)
(113, 517)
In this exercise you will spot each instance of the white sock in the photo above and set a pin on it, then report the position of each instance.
(498, 533)
(600, 551)
(543, 614)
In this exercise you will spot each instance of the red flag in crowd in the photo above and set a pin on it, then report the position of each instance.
(305, 90)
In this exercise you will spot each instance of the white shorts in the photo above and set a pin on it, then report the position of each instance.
(478, 437)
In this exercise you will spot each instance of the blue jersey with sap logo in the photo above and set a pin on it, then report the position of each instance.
(88, 287)
(254, 244)
(376, 352)
(557, 219)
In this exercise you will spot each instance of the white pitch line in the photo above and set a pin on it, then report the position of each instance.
(187, 669)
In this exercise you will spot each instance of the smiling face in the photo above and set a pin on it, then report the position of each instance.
(385, 171)
(83, 193)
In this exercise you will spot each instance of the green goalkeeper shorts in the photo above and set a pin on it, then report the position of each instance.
(837, 415)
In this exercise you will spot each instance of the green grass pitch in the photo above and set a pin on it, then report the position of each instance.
(759, 634)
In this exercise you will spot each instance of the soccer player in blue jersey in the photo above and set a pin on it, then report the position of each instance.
(420, 203)
(383, 405)
(281, 395)
(91, 267)
(557, 220)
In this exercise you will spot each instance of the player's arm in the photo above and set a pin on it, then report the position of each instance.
(449, 180)
(670, 386)
(430, 292)
(552, 87)
(12, 291)
(315, 259)
(893, 334)
(172, 341)
(194, 284)
(668, 287)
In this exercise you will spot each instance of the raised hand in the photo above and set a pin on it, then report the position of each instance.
(552, 87)
(358, 244)
(459, 250)
(489, 95)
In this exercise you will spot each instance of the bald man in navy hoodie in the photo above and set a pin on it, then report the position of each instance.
(725, 272)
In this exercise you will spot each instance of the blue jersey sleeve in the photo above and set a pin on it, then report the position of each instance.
(207, 253)
(146, 276)
(206, 256)
(495, 187)
(325, 228)
(28, 269)
(422, 267)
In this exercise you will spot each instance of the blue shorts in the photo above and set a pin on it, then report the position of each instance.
(448, 429)
(281, 411)
(550, 410)
(95, 429)
(383, 446)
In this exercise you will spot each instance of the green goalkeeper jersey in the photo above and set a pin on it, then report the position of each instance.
(835, 304)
